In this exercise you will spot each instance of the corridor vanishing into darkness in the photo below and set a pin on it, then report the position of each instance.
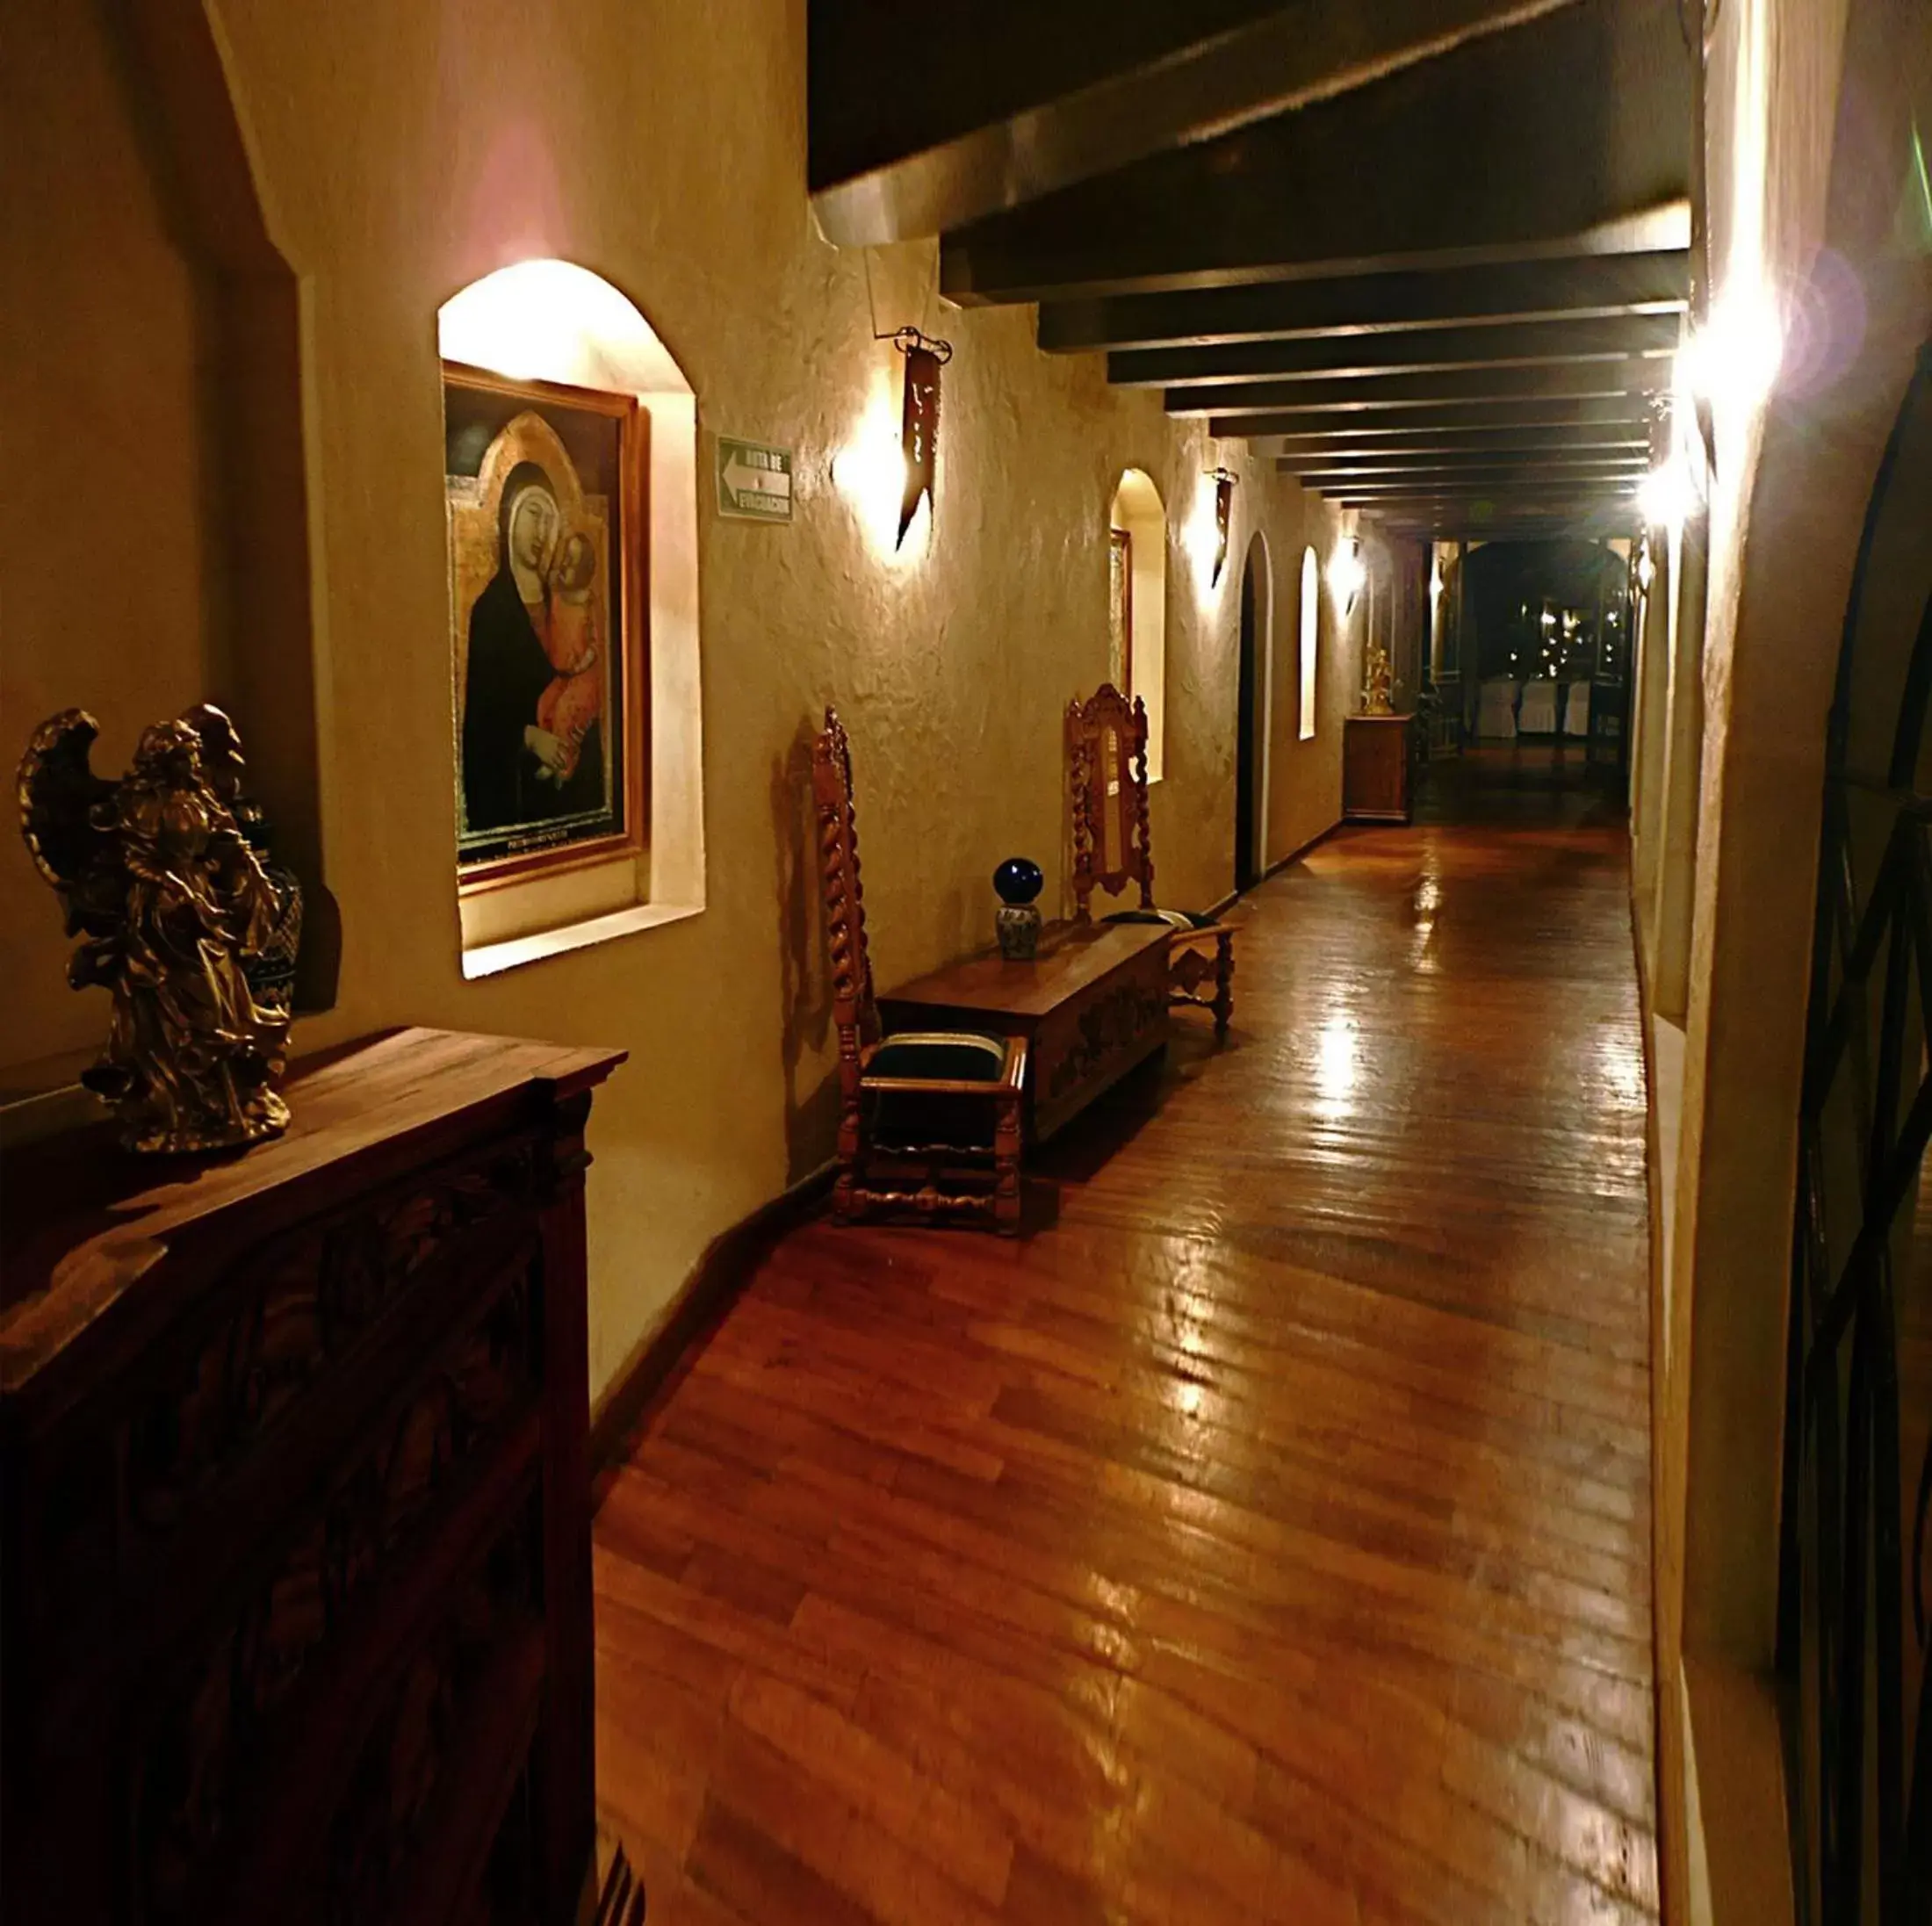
(1265, 1537)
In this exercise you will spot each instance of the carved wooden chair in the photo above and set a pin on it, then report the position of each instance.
(1106, 766)
(929, 1120)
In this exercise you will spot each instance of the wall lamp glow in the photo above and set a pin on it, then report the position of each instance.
(1646, 569)
(1732, 361)
(1346, 574)
(1664, 495)
(1224, 481)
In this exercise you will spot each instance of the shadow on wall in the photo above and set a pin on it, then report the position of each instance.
(811, 1117)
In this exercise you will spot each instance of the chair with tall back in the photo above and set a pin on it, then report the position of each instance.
(1106, 768)
(929, 1120)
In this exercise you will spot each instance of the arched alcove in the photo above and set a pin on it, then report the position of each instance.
(1309, 643)
(554, 322)
(1254, 714)
(1856, 1476)
(1137, 551)
(158, 451)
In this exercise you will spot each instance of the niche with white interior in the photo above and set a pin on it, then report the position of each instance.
(1137, 588)
(555, 321)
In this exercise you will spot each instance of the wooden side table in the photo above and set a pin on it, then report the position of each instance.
(1376, 769)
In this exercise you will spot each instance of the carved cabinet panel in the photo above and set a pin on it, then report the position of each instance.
(296, 1570)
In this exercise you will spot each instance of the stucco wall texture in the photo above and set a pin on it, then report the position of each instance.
(403, 152)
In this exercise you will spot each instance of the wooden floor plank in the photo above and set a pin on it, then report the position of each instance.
(1265, 1537)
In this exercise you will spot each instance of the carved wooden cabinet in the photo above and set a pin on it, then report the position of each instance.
(1377, 760)
(296, 1565)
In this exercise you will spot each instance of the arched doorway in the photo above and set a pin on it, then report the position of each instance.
(1858, 1471)
(1255, 702)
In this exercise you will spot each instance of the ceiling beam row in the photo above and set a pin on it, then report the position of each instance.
(1011, 104)
(1588, 288)
(1432, 256)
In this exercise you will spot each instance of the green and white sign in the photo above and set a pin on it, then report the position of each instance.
(754, 481)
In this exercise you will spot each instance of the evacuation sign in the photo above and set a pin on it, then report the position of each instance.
(754, 481)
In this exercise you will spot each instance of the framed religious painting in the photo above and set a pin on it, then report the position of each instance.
(545, 493)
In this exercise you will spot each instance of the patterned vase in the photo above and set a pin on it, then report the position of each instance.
(1019, 931)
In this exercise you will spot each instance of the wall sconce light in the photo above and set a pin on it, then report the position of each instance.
(1346, 574)
(1224, 481)
(918, 422)
(1646, 569)
(1664, 496)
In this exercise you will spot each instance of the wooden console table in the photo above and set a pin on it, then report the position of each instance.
(1091, 1006)
(295, 1612)
(1376, 768)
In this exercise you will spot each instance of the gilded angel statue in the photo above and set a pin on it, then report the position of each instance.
(177, 917)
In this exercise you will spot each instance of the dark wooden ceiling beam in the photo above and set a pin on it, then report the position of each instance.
(1592, 287)
(1448, 388)
(1334, 457)
(1524, 344)
(1564, 488)
(1328, 479)
(1125, 83)
(1544, 411)
(1570, 135)
(1364, 435)
(1498, 498)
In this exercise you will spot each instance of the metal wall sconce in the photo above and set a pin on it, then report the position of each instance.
(1346, 574)
(1224, 481)
(918, 423)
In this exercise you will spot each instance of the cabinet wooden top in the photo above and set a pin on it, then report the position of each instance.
(85, 1219)
(1406, 716)
(1071, 957)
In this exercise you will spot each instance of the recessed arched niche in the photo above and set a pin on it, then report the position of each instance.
(1308, 644)
(156, 450)
(1137, 610)
(555, 322)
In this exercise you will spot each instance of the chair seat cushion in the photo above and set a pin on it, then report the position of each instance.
(1173, 918)
(955, 1055)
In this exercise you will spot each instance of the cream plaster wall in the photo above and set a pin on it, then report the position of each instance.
(114, 597)
(1305, 777)
(404, 151)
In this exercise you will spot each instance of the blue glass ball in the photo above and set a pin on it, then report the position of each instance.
(1019, 879)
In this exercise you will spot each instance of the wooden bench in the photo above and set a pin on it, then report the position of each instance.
(1092, 1005)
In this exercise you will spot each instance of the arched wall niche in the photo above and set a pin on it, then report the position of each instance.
(1307, 644)
(1138, 514)
(556, 321)
(155, 311)
(1257, 738)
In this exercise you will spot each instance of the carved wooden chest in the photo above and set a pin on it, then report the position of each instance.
(295, 1572)
(1092, 1004)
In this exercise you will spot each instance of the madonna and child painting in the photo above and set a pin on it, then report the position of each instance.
(543, 497)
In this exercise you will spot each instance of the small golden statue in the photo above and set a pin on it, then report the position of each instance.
(177, 915)
(1375, 682)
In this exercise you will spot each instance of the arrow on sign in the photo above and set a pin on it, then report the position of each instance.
(742, 480)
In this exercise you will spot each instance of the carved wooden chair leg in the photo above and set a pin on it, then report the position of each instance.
(1224, 981)
(1006, 1144)
(845, 1185)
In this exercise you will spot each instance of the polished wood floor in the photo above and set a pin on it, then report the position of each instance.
(1265, 1537)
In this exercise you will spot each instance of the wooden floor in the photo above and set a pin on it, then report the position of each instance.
(1266, 1537)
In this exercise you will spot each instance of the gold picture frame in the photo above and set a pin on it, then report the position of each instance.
(545, 503)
